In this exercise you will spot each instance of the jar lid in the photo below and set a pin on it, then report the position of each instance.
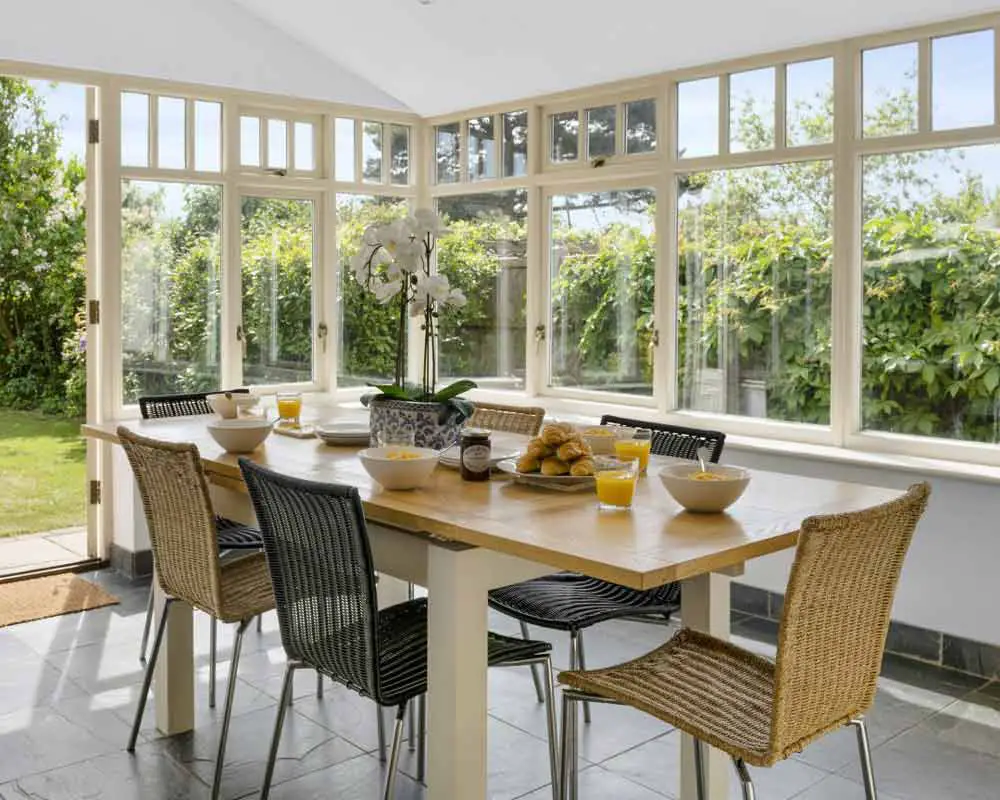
(475, 433)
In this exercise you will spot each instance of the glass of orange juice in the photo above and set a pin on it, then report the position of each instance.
(616, 484)
(637, 447)
(289, 409)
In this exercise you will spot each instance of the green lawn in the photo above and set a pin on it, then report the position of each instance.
(42, 473)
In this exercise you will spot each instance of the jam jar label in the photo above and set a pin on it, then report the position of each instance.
(476, 458)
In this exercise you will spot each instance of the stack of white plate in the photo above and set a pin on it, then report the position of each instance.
(345, 433)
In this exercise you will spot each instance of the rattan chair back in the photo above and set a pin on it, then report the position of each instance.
(509, 419)
(178, 405)
(179, 517)
(322, 571)
(836, 617)
(675, 440)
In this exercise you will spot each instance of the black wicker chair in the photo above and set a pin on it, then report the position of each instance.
(320, 560)
(571, 602)
(231, 535)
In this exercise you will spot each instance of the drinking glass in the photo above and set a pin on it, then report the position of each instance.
(638, 447)
(616, 484)
(289, 409)
(394, 436)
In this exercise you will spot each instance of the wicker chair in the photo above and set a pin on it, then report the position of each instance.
(830, 645)
(510, 419)
(184, 538)
(231, 535)
(321, 567)
(571, 602)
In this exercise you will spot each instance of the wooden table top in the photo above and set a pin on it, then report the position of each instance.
(654, 543)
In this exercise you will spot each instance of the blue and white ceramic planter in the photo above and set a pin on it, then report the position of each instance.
(435, 425)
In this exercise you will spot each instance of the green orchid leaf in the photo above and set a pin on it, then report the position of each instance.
(453, 390)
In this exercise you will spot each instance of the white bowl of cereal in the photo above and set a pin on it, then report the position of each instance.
(399, 467)
(602, 438)
(711, 491)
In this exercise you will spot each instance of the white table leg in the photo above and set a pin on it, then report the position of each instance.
(457, 584)
(705, 607)
(173, 686)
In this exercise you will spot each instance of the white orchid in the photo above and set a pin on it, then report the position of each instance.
(384, 291)
(435, 287)
(427, 221)
(457, 298)
(371, 236)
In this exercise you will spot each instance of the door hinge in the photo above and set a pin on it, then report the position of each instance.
(94, 312)
(95, 492)
(655, 339)
(93, 131)
(539, 333)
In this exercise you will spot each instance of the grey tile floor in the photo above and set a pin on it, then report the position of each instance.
(68, 687)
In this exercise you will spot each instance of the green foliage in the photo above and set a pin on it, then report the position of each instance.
(42, 270)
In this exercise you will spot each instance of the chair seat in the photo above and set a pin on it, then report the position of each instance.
(713, 690)
(246, 588)
(568, 601)
(233, 535)
(402, 633)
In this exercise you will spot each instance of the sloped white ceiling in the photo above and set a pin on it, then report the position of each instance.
(455, 54)
(198, 41)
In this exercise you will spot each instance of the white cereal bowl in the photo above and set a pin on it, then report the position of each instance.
(705, 496)
(602, 438)
(240, 435)
(397, 474)
(223, 404)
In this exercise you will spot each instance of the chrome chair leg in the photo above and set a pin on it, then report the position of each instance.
(147, 679)
(568, 777)
(576, 644)
(260, 623)
(411, 727)
(699, 769)
(146, 626)
(745, 782)
(421, 737)
(380, 721)
(272, 755)
(228, 713)
(212, 646)
(550, 714)
(865, 754)
(397, 740)
(319, 685)
(535, 677)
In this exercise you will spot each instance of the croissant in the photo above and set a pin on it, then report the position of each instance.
(582, 467)
(528, 463)
(572, 450)
(555, 435)
(553, 466)
(538, 449)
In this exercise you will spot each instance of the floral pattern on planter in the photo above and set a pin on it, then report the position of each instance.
(434, 425)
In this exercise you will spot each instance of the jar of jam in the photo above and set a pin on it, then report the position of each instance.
(475, 454)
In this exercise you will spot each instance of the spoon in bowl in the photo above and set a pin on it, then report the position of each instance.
(703, 453)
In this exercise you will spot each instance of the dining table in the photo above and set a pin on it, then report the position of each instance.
(459, 539)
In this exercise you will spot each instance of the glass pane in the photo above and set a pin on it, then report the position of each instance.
(602, 271)
(207, 136)
(399, 145)
(601, 131)
(962, 80)
(171, 304)
(277, 144)
(367, 327)
(250, 141)
(482, 148)
(809, 102)
(371, 152)
(751, 110)
(640, 126)
(515, 144)
(344, 157)
(754, 267)
(698, 118)
(305, 157)
(447, 153)
(171, 133)
(135, 130)
(276, 259)
(485, 255)
(565, 141)
(931, 243)
(889, 90)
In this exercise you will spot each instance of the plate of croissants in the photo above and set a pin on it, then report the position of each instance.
(558, 458)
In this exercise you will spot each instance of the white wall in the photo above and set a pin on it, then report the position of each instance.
(951, 579)
(197, 41)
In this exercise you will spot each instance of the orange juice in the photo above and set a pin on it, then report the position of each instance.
(626, 449)
(289, 408)
(615, 487)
